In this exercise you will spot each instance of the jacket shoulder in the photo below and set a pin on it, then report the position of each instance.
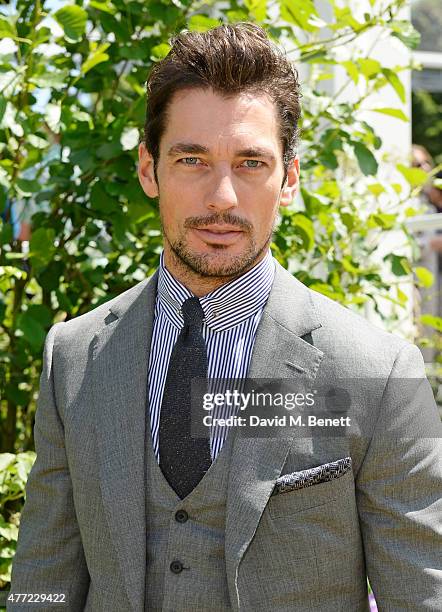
(355, 345)
(89, 322)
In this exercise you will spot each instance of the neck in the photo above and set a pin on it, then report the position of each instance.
(199, 284)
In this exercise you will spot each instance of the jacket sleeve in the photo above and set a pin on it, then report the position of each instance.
(399, 493)
(49, 557)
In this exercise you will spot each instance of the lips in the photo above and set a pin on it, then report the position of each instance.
(218, 234)
(220, 229)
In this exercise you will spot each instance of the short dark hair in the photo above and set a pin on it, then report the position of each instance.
(230, 59)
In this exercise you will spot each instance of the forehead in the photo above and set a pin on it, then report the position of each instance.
(201, 115)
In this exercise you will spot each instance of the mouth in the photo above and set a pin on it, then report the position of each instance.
(218, 234)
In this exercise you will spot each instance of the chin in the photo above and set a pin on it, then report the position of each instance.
(217, 263)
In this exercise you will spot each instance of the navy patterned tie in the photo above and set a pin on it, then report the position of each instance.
(184, 459)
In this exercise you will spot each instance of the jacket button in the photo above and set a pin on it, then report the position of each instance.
(176, 567)
(181, 516)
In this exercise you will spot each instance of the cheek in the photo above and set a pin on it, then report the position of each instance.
(179, 195)
(265, 204)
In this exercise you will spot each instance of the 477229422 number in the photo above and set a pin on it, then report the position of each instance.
(56, 598)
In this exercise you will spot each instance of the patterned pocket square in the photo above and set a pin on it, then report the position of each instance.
(312, 476)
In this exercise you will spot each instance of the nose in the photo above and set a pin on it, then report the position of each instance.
(222, 194)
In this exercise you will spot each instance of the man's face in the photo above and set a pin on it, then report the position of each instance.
(219, 175)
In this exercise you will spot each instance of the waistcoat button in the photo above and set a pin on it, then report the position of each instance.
(176, 567)
(181, 516)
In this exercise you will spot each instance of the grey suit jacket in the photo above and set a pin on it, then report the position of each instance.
(308, 547)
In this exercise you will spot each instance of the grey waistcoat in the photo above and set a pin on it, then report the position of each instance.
(195, 544)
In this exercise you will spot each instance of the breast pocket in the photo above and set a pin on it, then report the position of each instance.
(319, 494)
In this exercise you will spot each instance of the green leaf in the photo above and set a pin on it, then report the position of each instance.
(348, 220)
(201, 23)
(108, 150)
(328, 159)
(401, 296)
(366, 160)
(40, 313)
(2, 310)
(42, 247)
(3, 103)
(101, 201)
(42, 35)
(332, 139)
(7, 552)
(369, 67)
(9, 531)
(305, 229)
(400, 265)
(133, 51)
(6, 234)
(6, 460)
(33, 330)
(411, 212)
(257, 8)
(406, 33)
(376, 188)
(352, 71)
(73, 21)
(349, 266)
(345, 18)
(425, 277)
(159, 51)
(319, 56)
(392, 112)
(37, 141)
(8, 272)
(120, 29)
(384, 220)
(55, 79)
(26, 187)
(325, 290)
(106, 7)
(96, 57)
(24, 463)
(432, 321)
(63, 301)
(7, 28)
(2, 199)
(301, 13)
(49, 278)
(416, 177)
(395, 82)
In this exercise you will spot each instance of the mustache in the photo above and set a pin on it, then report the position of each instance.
(227, 218)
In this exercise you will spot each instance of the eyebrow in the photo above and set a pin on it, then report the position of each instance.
(195, 149)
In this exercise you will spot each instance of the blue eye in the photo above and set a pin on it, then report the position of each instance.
(254, 163)
(193, 161)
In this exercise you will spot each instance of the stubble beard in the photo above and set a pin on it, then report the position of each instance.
(212, 265)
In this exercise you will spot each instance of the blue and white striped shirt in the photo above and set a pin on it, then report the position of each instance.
(231, 316)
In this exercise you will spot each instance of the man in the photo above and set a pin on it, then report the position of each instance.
(126, 510)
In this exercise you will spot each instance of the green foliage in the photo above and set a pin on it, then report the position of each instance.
(72, 104)
(14, 471)
(427, 122)
(432, 321)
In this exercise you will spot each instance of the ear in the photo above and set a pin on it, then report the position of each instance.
(146, 175)
(291, 184)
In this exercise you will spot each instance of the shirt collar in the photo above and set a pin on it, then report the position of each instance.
(226, 306)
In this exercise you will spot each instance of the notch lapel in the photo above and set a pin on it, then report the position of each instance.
(256, 463)
(119, 383)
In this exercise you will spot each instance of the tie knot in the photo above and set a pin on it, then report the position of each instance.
(193, 313)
